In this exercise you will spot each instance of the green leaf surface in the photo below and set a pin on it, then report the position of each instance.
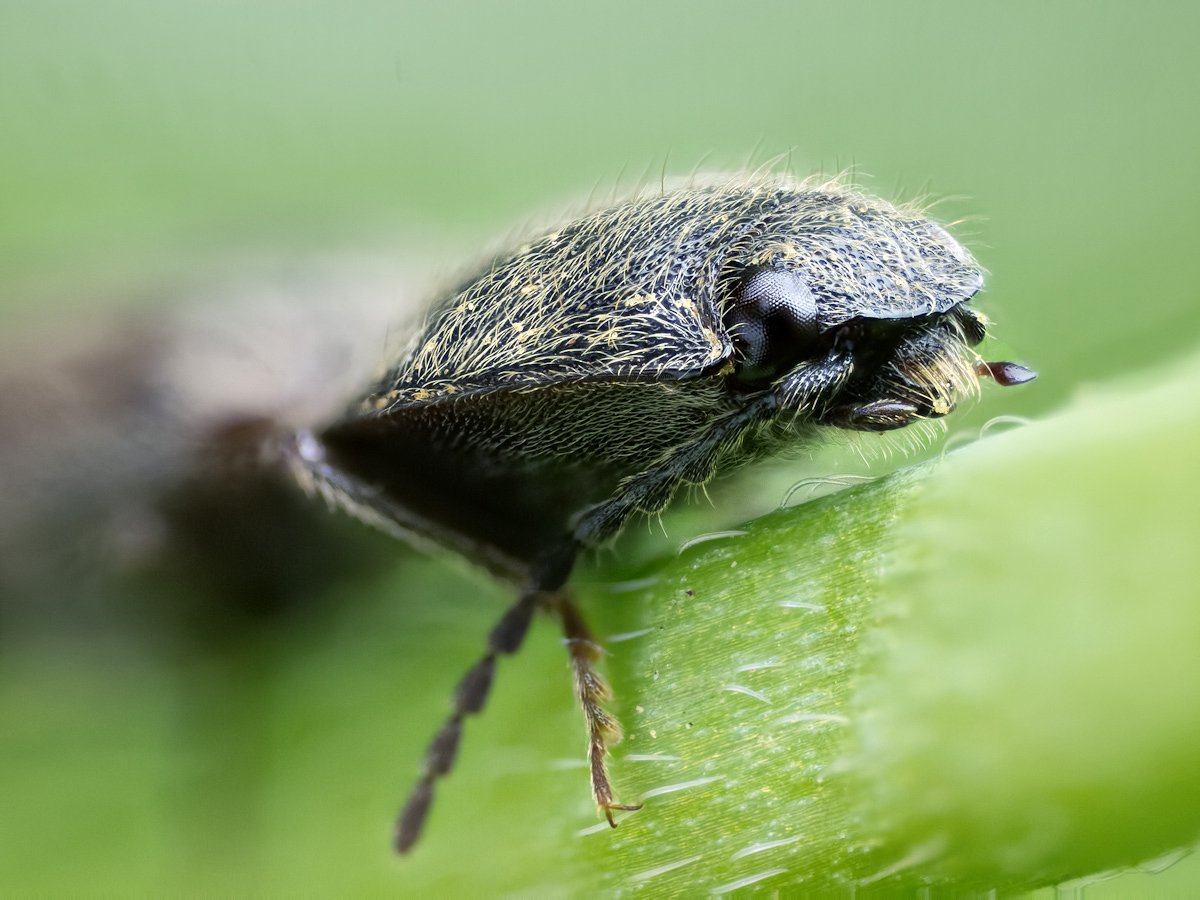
(980, 673)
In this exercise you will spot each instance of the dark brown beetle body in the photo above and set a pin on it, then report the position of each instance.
(588, 374)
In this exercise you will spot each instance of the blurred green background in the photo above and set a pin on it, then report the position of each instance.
(143, 144)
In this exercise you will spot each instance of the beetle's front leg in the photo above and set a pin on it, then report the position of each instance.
(811, 386)
(695, 463)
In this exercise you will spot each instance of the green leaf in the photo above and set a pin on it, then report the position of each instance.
(972, 674)
(980, 673)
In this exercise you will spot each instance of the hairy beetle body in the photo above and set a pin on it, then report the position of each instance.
(587, 374)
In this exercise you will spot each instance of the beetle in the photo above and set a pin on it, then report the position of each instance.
(585, 375)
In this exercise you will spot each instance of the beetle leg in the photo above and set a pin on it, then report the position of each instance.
(592, 692)
(811, 386)
(469, 699)
(648, 492)
(653, 489)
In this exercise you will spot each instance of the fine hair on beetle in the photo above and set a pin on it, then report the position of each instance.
(588, 373)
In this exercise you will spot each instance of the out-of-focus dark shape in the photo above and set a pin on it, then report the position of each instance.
(132, 487)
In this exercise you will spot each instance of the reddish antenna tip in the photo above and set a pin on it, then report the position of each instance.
(1006, 374)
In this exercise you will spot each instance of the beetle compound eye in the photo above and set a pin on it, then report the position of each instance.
(773, 321)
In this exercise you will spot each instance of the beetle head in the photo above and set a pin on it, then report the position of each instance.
(858, 314)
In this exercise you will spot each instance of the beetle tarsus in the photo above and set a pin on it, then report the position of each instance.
(592, 692)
